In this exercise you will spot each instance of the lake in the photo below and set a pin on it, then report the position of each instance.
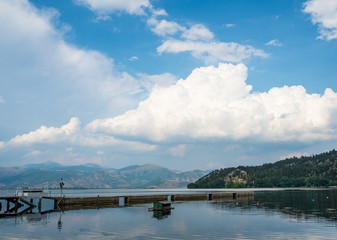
(270, 214)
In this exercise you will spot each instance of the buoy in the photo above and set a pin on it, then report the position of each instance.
(257, 203)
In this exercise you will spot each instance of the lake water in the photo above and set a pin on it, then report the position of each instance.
(281, 214)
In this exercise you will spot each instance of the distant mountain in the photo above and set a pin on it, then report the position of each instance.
(317, 170)
(95, 176)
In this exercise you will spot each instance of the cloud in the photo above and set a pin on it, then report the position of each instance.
(49, 134)
(229, 25)
(197, 39)
(214, 165)
(99, 152)
(71, 158)
(324, 14)
(2, 100)
(163, 27)
(294, 154)
(71, 133)
(157, 12)
(69, 149)
(274, 42)
(133, 58)
(103, 7)
(159, 80)
(33, 154)
(211, 52)
(231, 147)
(33, 51)
(179, 150)
(216, 103)
(198, 32)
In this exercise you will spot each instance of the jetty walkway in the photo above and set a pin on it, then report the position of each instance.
(14, 206)
(137, 199)
(19, 205)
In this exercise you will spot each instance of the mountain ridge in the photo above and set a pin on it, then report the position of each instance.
(95, 176)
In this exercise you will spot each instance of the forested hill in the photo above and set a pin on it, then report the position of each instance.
(317, 170)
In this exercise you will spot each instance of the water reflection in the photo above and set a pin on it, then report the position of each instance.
(297, 204)
(161, 214)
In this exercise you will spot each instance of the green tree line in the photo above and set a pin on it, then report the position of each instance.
(306, 171)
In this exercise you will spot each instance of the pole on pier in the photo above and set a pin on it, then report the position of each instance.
(16, 205)
(39, 205)
(61, 186)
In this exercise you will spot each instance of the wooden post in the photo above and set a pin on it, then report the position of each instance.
(39, 206)
(16, 205)
(126, 201)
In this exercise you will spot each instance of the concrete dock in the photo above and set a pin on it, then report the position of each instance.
(116, 201)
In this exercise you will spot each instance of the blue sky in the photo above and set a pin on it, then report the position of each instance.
(183, 84)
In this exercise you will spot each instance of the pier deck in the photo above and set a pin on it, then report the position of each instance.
(17, 203)
(137, 199)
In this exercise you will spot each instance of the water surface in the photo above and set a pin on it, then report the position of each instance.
(285, 214)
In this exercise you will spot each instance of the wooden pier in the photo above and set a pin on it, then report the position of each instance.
(18, 205)
(17, 209)
(116, 201)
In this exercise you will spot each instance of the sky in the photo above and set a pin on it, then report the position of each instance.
(183, 84)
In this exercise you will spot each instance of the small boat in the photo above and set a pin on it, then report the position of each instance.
(32, 193)
(161, 206)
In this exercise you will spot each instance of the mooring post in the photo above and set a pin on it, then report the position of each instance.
(16, 205)
(7, 205)
(210, 197)
(39, 205)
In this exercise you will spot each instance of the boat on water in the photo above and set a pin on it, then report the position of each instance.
(161, 206)
(32, 193)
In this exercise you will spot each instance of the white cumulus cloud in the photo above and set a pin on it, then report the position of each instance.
(198, 32)
(216, 103)
(324, 14)
(211, 52)
(2, 100)
(34, 52)
(109, 6)
(163, 27)
(71, 133)
(48, 134)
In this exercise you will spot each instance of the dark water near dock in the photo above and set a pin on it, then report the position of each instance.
(282, 214)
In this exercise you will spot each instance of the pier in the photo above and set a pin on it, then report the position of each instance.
(23, 204)
(117, 201)
(17, 209)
